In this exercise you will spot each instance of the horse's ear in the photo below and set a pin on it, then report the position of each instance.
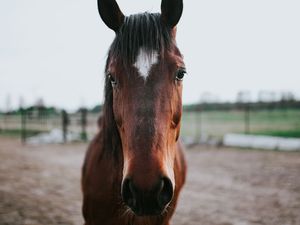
(111, 14)
(171, 11)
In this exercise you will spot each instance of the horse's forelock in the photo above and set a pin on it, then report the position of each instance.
(144, 30)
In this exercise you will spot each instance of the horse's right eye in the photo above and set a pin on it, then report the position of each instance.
(112, 80)
(180, 74)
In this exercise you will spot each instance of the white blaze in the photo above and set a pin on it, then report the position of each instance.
(145, 61)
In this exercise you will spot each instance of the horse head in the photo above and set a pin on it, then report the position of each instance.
(144, 74)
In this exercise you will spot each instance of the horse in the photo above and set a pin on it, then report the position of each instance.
(134, 168)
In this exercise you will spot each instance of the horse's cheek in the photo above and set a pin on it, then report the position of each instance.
(118, 108)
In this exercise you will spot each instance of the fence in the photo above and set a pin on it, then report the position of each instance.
(217, 123)
(27, 124)
(197, 125)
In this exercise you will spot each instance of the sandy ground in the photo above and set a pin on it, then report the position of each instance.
(41, 185)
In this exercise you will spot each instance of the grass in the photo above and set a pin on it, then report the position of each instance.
(282, 123)
(18, 133)
(280, 133)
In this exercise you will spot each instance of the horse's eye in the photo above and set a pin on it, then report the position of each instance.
(112, 80)
(180, 74)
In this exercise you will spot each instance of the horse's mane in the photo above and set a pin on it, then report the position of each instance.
(145, 31)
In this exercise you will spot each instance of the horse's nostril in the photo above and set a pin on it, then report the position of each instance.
(128, 193)
(147, 202)
(166, 192)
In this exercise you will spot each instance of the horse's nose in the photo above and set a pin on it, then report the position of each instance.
(147, 202)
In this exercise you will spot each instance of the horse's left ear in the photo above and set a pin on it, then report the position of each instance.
(111, 14)
(171, 11)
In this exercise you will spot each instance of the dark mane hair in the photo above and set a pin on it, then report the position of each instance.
(144, 30)
(138, 31)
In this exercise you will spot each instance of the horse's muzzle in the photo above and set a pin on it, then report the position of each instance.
(147, 202)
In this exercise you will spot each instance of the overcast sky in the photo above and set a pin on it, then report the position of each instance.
(56, 49)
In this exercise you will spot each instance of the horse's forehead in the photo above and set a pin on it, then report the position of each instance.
(144, 62)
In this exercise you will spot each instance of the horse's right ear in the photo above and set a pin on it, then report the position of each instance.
(111, 14)
(171, 11)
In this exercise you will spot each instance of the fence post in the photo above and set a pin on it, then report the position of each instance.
(23, 125)
(198, 124)
(65, 123)
(247, 118)
(83, 124)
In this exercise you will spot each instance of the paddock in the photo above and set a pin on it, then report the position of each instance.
(41, 185)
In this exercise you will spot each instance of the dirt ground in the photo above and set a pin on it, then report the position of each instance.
(40, 185)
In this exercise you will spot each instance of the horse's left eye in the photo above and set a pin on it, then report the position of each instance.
(180, 74)
(112, 80)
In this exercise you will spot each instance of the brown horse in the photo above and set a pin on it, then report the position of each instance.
(134, 168)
